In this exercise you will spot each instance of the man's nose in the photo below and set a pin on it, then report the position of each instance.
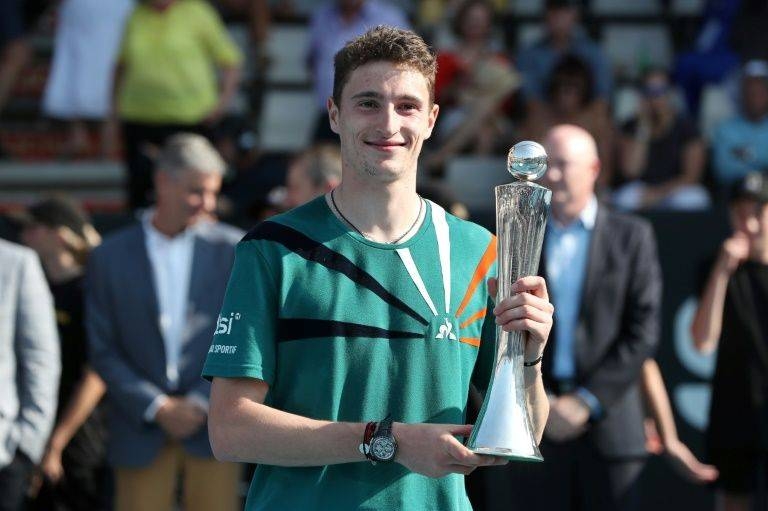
(389, 121)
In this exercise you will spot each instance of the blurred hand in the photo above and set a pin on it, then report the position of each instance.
(180, 418)
(528, 309)
(433, 450)
(688, 466)
(214, 116)
(734, 251)
(568, 416)
(51, 465)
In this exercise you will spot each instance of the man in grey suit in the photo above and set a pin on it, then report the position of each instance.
(153, 292)
(30, 364)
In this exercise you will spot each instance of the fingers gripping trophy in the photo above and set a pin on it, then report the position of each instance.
(503, 427)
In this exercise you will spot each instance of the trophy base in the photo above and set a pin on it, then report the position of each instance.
(508, 454)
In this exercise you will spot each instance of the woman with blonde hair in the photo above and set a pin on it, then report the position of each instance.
(73, 473)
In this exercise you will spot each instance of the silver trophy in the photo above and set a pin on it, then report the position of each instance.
(503, 427)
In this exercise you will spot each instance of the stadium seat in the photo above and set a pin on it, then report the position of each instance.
(633, 47)
(526, 7)
(687, 7)
(472, 179)
(287, 53)
(287, 120)
(625, 8)
(716, 106)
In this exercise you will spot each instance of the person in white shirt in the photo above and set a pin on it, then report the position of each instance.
(152, 298)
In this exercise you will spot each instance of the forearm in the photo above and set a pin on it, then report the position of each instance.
(87, 395)
(536, 398)
(658, 401)
(708, 320)
(244, 430)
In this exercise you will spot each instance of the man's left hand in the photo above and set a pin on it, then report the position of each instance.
(527, 309)
(568, 416)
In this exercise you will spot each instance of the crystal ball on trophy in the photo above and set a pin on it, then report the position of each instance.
(527, 160)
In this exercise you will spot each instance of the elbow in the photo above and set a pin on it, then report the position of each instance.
(221, 436)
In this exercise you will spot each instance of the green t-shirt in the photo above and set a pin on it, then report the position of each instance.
(345, 329)
(169, 63)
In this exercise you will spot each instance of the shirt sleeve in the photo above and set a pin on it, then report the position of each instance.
(245, 336)
(216, 38)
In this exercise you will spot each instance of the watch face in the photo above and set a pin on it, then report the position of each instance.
(383, 448)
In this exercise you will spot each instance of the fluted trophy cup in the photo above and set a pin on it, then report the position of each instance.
(503, 427)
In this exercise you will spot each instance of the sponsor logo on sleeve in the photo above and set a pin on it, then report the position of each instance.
(224, 323)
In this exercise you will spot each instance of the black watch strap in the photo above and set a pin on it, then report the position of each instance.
(384, 427)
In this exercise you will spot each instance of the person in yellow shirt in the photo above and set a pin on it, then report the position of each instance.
(172, 53)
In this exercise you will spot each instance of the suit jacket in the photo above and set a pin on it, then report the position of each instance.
(617, 329)
(30, 362)
(126, 344)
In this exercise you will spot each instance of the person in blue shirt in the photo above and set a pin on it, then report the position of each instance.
(740, 144)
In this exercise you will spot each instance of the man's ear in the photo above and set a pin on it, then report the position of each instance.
(432, 119)
(333, 115)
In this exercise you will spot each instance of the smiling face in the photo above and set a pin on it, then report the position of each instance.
(383, 118)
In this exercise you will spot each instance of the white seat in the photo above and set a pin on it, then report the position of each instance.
(528, 34)
(625, 8)
(526, 7)
(287, 47)
(716, 106)
(472, 179)
(287, 120)
(633, 47)
(687, 7)
(626, 101)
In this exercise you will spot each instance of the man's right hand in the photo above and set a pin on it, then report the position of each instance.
(180, 418)
(434, 451)
(735, 251)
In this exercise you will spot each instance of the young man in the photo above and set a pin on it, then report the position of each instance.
(357, 318)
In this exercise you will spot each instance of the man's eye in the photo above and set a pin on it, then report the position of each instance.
(409, 107)
(368, 104)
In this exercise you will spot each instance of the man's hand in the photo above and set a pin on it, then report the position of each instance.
(568, 416)
(527, 309)
(180, 418)
(688, 466)
(433, 450)
(735, 250)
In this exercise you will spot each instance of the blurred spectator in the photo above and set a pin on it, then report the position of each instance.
(740, 144)
(75, 475)
(562, 36)
(331, 27)
(153, 294)
(166, 80)
(80, 85)
(570, 99)
(472, 83)
(30, 365)
(315, 172)
(732, 317)
(711, 58)
(662, 156)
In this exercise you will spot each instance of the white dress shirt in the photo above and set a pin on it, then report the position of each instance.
(171, 262)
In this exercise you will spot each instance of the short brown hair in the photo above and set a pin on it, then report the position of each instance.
(388, 44)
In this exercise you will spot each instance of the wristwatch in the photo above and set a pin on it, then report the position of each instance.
(379, 445)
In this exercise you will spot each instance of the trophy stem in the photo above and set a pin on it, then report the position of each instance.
(503, 427)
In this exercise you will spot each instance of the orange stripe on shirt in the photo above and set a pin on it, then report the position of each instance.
(480, 272)
(474, 317)
(472, 341)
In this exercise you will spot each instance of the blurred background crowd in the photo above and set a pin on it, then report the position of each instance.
(93, 92)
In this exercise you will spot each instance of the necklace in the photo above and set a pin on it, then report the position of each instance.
(361, 233)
